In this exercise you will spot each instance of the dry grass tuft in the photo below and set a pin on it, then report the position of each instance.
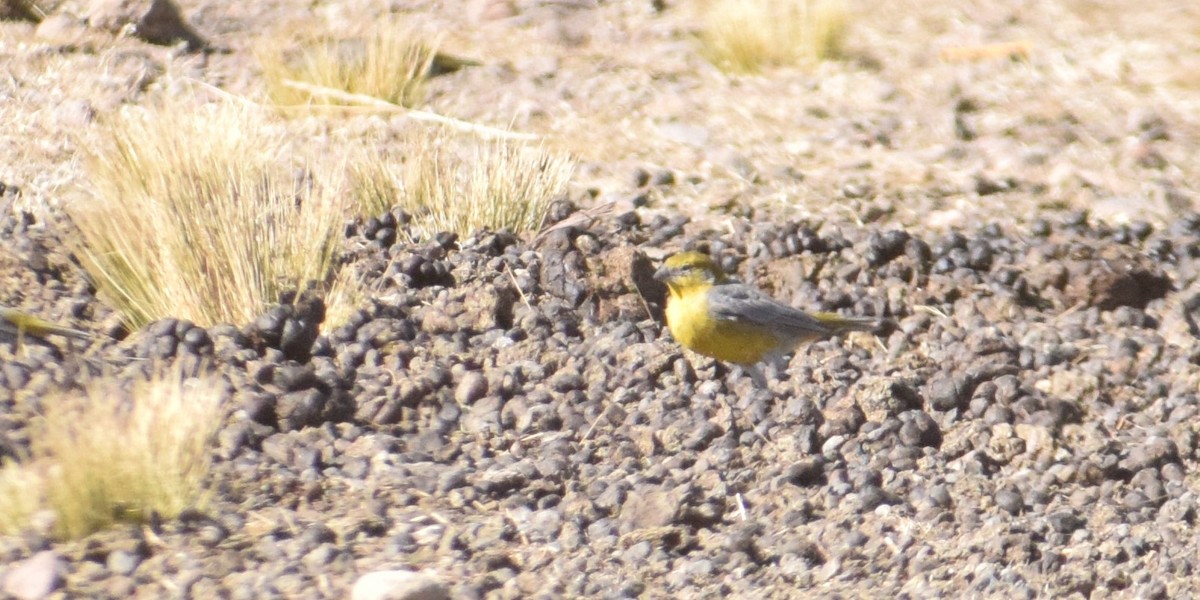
(199, 212)
(120, 453)
(389, 61)
(495, 185)
(21, 495)
(346, 294)
(377, 182)
(745, 36)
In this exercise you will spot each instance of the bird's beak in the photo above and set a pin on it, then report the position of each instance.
(663, 274)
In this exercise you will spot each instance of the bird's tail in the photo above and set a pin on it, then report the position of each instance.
(14, 322)
(837, 323)
(50, 328)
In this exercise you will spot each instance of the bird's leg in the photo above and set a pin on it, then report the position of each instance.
(760, 380)
(775, 367)
(720, 371)
(760, 383)
(726, 373)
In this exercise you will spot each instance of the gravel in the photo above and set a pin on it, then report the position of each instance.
(1031, 434)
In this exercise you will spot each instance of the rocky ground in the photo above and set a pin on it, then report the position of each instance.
(510, 416)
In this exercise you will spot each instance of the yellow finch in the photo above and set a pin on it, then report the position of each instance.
(713, 315)
(15, 322)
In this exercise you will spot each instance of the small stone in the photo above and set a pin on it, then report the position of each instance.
(881, 398)
(156, 21)
(655, 508)
(472, 387)
(399, 585)
(122, 562)
(299, 409)
(1009, 500)
(292, 377)
(806, 471)
(36, 577)
(1155, 452)
(947, 391)
(1065, 522)
(831, 445)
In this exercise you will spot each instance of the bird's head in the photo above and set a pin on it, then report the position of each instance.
(686, 270)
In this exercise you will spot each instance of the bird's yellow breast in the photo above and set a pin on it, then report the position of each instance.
(694, 328)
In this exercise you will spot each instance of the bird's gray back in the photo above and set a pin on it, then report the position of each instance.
(741, 303)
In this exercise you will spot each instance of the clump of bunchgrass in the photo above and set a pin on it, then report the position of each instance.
(388, 61)
(746, 36)
(347, 293)
(449, 187)
(377, 182)
(121, 452)
(205, 213)
(21, 495)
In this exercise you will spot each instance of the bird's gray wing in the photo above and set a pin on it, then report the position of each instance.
(744, 304)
